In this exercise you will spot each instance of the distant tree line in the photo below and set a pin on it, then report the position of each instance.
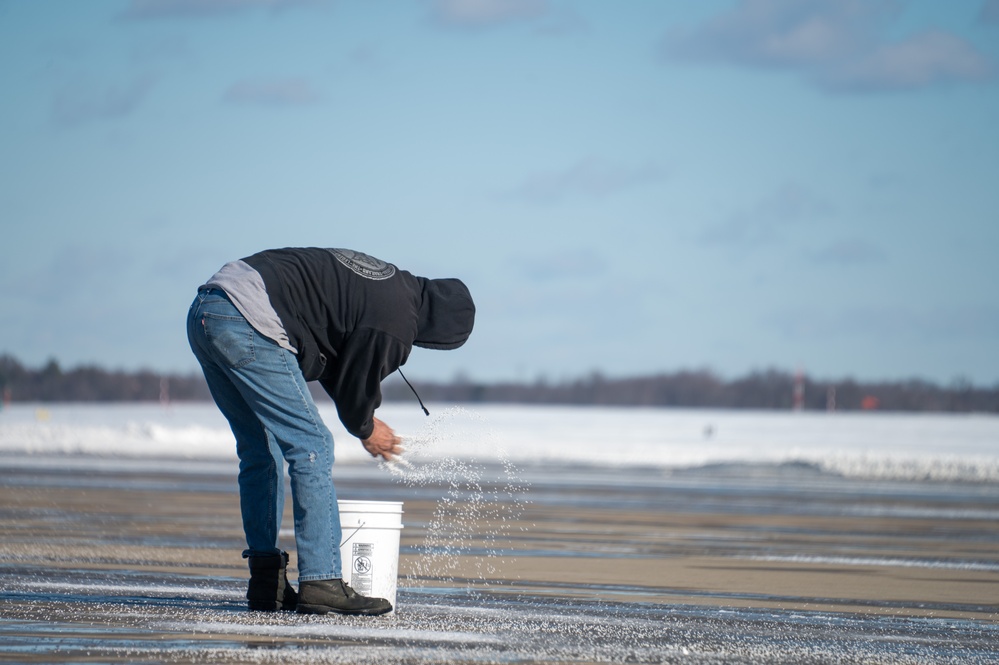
(51, 383)
(770, 389)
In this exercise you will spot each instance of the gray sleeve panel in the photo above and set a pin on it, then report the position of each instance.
(245, 288)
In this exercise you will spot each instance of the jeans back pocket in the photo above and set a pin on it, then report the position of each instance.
(231, 338)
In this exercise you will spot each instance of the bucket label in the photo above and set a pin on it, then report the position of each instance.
(360, 578)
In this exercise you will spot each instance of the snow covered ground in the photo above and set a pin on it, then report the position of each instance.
(962, 447)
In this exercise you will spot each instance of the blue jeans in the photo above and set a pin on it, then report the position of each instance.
(260, 390)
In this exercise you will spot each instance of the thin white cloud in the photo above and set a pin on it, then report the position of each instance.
(779, 33)
(164, 49)
(184, 9)
(920, 61)
(73, 274)
(949, 323)
(82, 103)
(272, 92)
(589, 177)
(367, 57)
(563, 21)
(850, 252)
(477, 14)
(886, 181)
(764, 222)
(839, 45)
(573, 264)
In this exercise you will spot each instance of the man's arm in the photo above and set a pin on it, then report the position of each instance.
(366, 358)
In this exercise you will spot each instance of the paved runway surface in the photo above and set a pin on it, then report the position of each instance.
(139, 561)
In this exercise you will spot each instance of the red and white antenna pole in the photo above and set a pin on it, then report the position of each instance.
(799, 391)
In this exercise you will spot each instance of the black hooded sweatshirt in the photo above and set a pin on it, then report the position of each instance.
(354, 320)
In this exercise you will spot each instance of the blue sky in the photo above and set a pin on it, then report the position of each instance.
(626, 187)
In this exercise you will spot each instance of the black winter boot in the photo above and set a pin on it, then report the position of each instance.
(325, 596)
(269, 589)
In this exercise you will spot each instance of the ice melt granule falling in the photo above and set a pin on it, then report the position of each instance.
(480, 498)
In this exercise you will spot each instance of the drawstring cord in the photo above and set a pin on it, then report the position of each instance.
(414, 392)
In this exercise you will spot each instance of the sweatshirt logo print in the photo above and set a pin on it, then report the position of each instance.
(366, 266)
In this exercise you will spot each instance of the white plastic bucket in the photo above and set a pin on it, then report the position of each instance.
(369, 548)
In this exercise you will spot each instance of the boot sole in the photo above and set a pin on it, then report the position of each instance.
(267, 606)
(326, 609)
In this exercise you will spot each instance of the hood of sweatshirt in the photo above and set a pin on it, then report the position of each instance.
(446, 315)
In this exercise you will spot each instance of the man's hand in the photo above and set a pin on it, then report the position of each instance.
(383, 442)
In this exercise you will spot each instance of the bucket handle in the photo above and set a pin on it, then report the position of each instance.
(344, 542)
